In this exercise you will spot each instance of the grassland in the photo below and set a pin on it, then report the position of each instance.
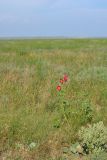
(29, 73)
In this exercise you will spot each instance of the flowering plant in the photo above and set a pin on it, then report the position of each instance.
(62, 102)
(62, 81)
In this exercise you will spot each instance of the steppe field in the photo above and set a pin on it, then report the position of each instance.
(53, 99)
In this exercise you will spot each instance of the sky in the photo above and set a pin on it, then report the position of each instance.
(51, 18)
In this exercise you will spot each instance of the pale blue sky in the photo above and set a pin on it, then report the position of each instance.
(73, 18)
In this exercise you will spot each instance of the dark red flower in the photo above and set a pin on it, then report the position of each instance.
(58, 88)
(65, 77)
(61, 81)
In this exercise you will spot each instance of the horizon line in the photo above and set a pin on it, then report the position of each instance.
(49, 37)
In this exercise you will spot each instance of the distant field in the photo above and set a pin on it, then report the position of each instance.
(29, 110)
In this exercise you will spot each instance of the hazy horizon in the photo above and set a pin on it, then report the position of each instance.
(58, 18)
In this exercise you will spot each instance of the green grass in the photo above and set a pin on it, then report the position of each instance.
(29, 73)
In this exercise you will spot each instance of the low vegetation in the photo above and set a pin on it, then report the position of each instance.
(53, 96)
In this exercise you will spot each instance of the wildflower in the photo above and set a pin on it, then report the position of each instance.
(65, 78)
(58, 88)
(61, 81)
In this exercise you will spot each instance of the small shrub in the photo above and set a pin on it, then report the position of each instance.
(94, 138)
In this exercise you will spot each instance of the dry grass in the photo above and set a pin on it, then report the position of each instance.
(29, 73)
